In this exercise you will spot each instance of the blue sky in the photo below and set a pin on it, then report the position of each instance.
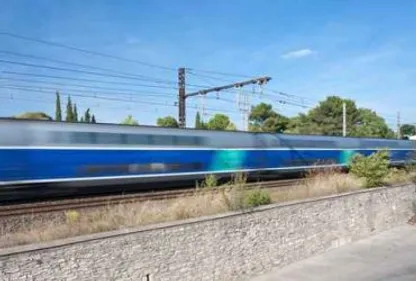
(363, 50)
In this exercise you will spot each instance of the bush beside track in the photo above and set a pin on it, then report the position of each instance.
(209, 198)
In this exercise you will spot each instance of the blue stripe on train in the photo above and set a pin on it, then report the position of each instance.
(32, 164)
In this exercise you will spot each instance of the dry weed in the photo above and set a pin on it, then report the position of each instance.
(399, 176)
(205, 201)
(117, 217)
(318, 183)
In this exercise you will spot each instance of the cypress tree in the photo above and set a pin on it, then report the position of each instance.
(69, 111)
(58, 110)
(198, 122)
(93, 119)
(75, 113)
(87, 116)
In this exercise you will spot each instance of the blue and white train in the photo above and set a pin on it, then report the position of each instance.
(68, 154)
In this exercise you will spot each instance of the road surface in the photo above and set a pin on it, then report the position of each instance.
(388, 256)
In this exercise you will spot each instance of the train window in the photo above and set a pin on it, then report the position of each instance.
(310, 143)
(187, 140)
(58, 137)
(404, 144)
(265, 140)
(81, 137)
(138, 139)
(325, 144)
(108, 138)
(163, 140)
(373, 144)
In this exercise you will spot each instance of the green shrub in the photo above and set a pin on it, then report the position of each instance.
(210, 182)
(257, 197)
(373, 169)
(72, 216)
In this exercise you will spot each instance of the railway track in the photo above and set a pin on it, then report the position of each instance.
(102, 201)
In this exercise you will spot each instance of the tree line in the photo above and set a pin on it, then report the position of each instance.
(71, 114)
(324, 119)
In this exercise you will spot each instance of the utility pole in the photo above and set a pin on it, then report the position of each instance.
(183, 96)
(398, 125)
(344, 119)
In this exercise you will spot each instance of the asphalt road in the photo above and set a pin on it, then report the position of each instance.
(388, 256)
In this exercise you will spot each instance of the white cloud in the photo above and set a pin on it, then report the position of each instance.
(298, 54)
(131, 40)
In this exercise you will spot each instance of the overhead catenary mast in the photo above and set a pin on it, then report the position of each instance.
(182, 95)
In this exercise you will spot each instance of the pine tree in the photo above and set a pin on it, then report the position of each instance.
(75, 114)
(87, 116)
(93, 119)
(69, 111)
(58, 110)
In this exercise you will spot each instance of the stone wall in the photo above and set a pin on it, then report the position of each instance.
(224, 247)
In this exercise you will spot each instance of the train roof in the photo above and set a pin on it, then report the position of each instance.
(279, 135)
(119, 125)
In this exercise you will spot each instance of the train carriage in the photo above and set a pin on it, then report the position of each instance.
(36, 152)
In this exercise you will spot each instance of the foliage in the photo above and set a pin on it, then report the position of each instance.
(231, 127)
(256, 198)
(199, 124)
(167, 121)
(69, 111)
(130, 121)
(264, 119)
(397, 176)
(300, 125)
(373, 168)
(241, 197)
(72, 216)
(324, 119)
(370, 125)
(327, 119)
(407, 130)
(219, 122)
(209, 182)
(87, 116)
(34, 116)
(75, 113)
(58, 109)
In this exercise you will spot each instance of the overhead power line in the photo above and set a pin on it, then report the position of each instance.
(70, 63)
(60, 45)
(98, 97)
(106, 55)
(144, 78)
(122, 92)
(122, 74)
(219, 73)
(98, 88)
(86, 80)
(202, 77)
(83, 95)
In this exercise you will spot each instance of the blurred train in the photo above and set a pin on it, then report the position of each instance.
(79, 154)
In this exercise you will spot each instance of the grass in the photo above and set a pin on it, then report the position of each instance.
(400, 176)
(208, 199)
(319, 183)
(116, 217)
